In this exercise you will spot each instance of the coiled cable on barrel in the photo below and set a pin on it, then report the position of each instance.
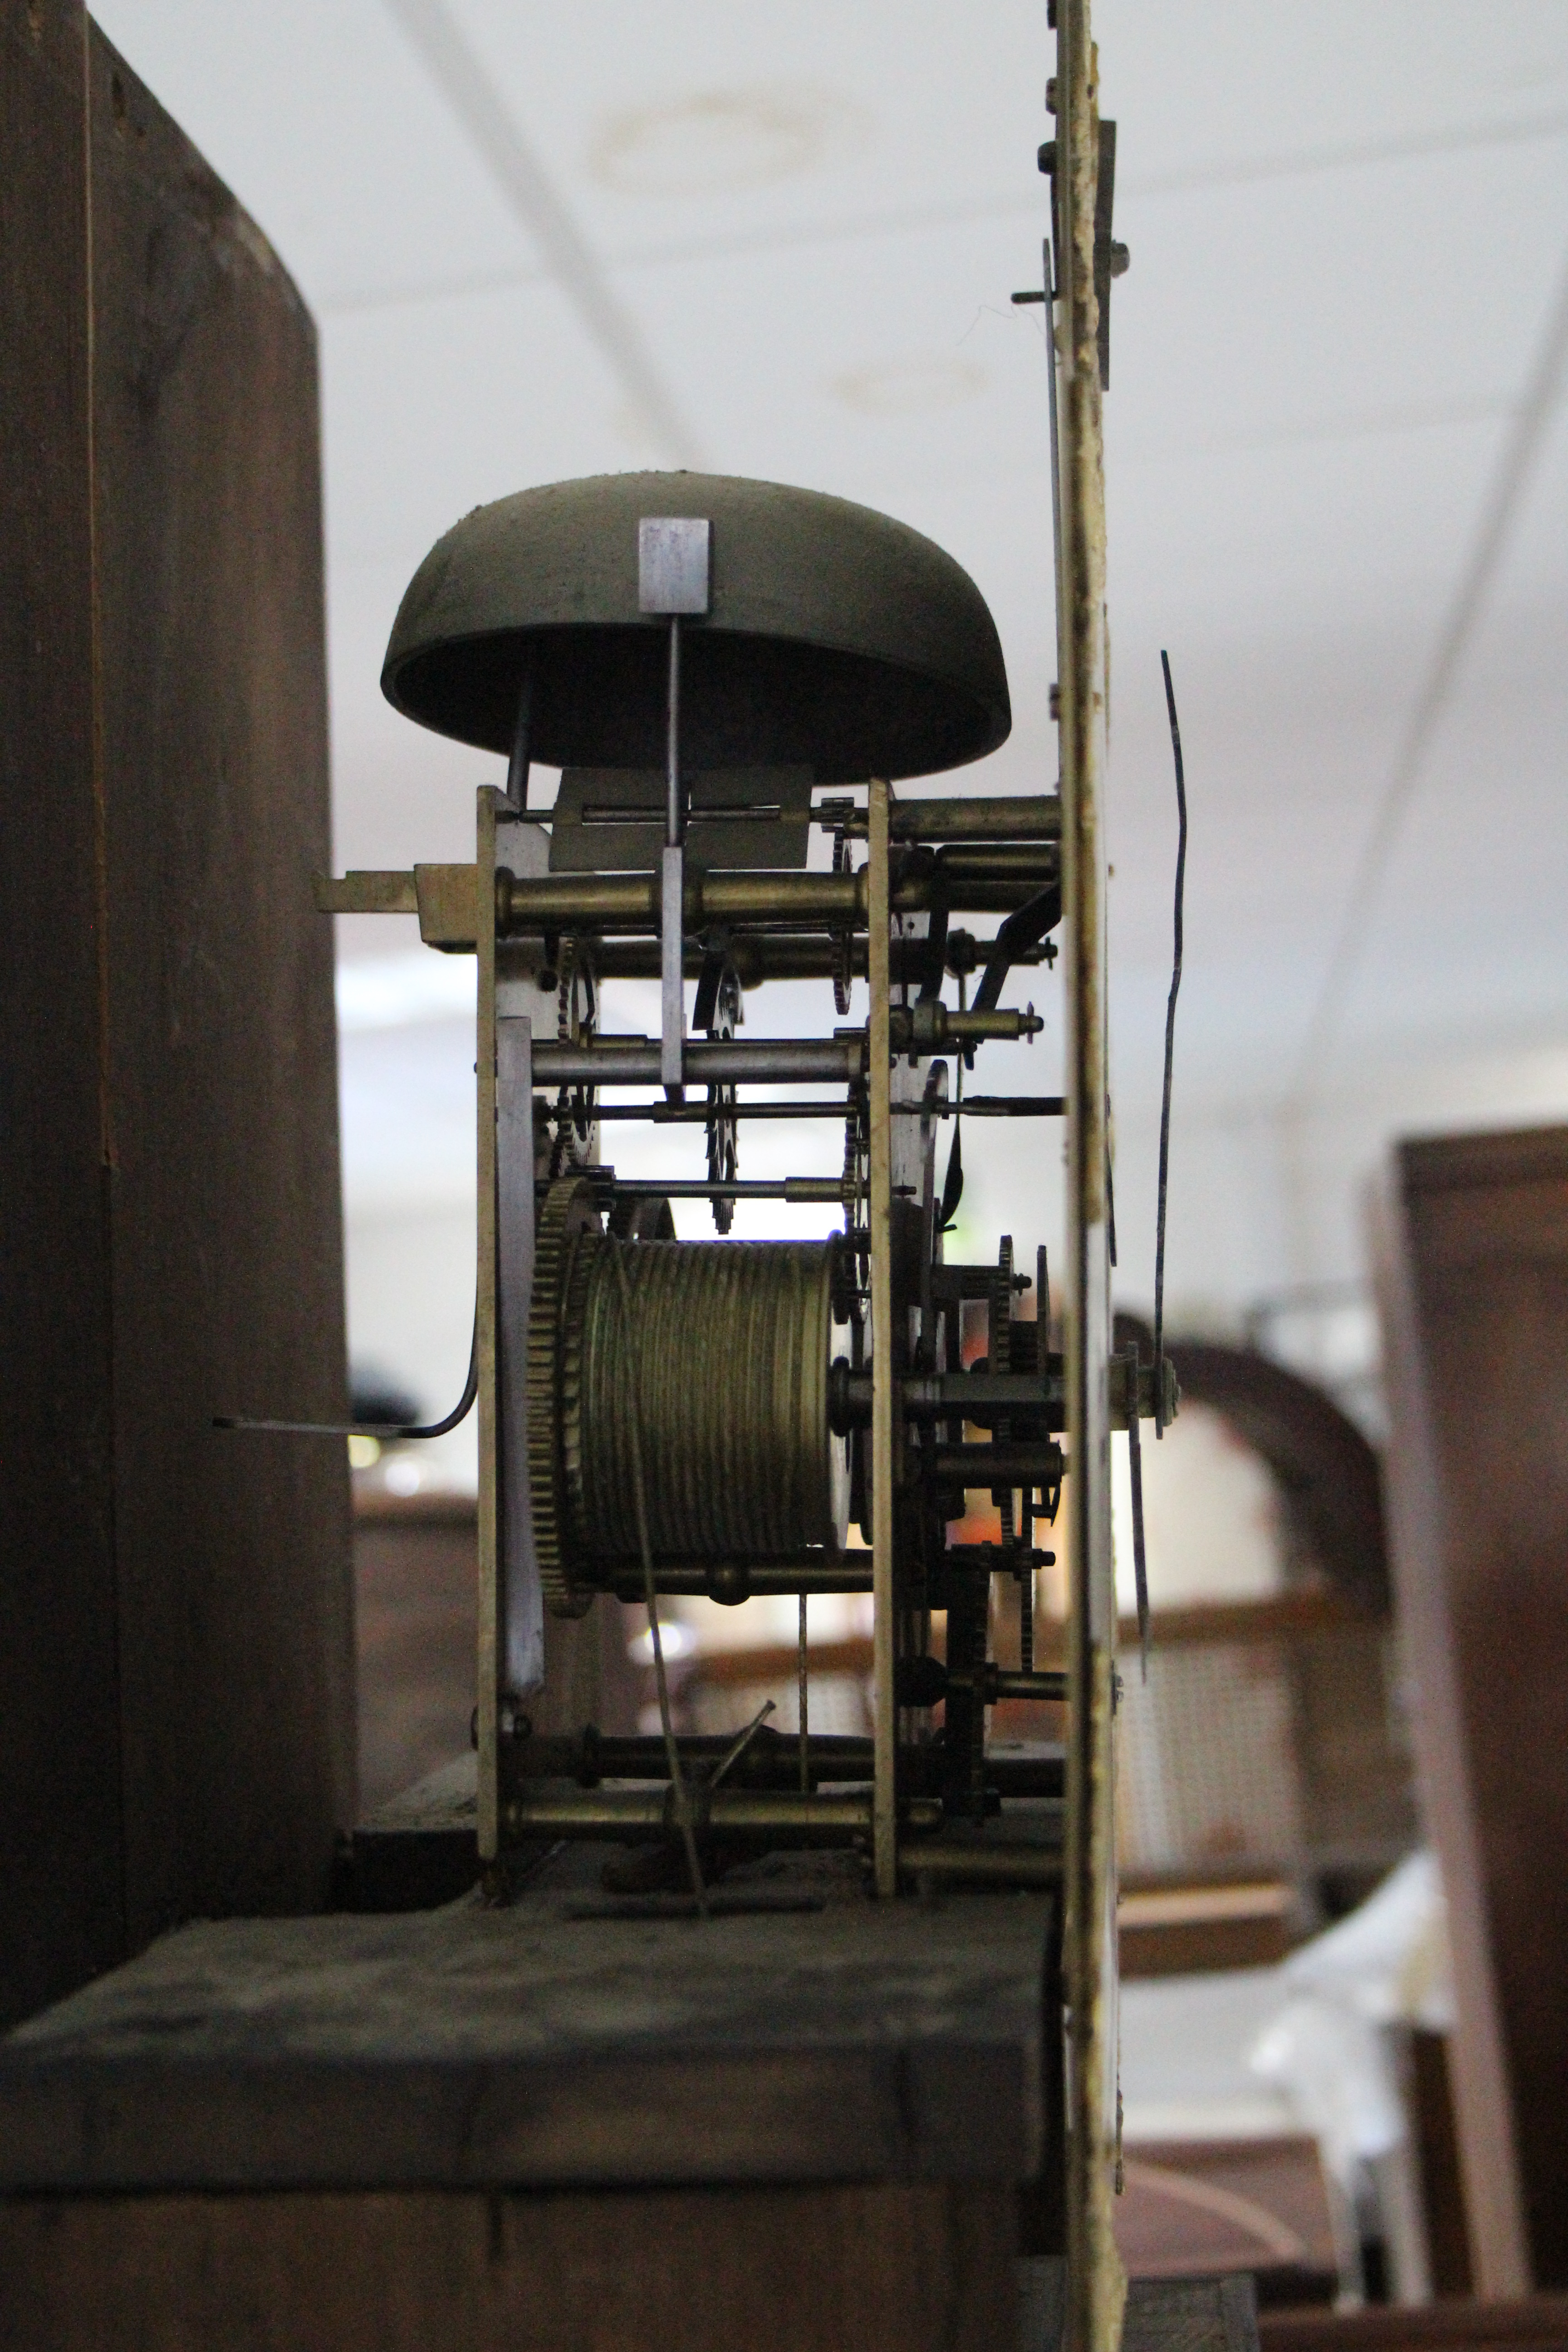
(671, 1750)
(711, 1359)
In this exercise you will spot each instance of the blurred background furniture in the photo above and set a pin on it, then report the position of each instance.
(1204, 2208)
(415, 1583)
(415, 1565)
(1473, 1237)
(1268, 1739)
(1536, 2322)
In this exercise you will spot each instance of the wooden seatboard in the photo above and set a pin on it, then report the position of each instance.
(471, 2045)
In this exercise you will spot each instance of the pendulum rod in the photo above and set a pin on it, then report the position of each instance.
(673, 892)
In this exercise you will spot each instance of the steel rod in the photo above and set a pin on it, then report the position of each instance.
(699, 1114)
(989, 1106)
(488, 1721)
(998, 1466)
(758, 956)
(759, 1188)
(729, 1581)
(591, 1757)
(1031, 816)
(674, 812)
(930, 1396)
(881, 1214)
(634, 1061)
(982, 881)
(991, 1864)
(658, 1114)
(782, 1816)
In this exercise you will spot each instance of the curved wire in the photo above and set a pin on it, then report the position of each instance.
(1170, 1049)
(381, 1428)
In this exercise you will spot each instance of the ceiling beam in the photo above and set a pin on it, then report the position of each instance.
(457, 73)
(1505, 494)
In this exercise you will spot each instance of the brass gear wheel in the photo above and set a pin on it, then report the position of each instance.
(723, 1151)
(843, 964)
(1002, 1361)
(576, 1018)
(567, 1215)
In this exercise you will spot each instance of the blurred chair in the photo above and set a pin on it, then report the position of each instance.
(416, 1587)
(416, 1583)
(720, 1690)
(1266, 1742)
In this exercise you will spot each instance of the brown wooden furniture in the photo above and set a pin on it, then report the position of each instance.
(1473, 1249)
(415, 1617)
(1537, 2323)
(1431, 2098)
(1167, 1931)
(1308, 1679)
(176, 1731)
(1197, 2209)
(416, 1608)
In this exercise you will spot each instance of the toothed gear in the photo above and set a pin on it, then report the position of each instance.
(843, 964)
(576, 1017)
(567, 1215)
(1002, 1361)
(569, 1393)
(723, 1146)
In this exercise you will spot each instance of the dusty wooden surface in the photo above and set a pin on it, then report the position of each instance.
(1475, 1281)
(537, 2046)
(913, 2267)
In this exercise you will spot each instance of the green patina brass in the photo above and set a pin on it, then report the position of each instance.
(837, 638)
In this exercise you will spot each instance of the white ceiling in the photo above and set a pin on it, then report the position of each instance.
(781, 239)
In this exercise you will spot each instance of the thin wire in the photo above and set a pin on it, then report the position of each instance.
(1170, 1050)
(738, 1745)
(639, 1499)
(386, 1431)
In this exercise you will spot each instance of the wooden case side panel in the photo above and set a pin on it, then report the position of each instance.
(907, 2267)
(234, 1574)
(61, 1916)
(1480, 1370)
